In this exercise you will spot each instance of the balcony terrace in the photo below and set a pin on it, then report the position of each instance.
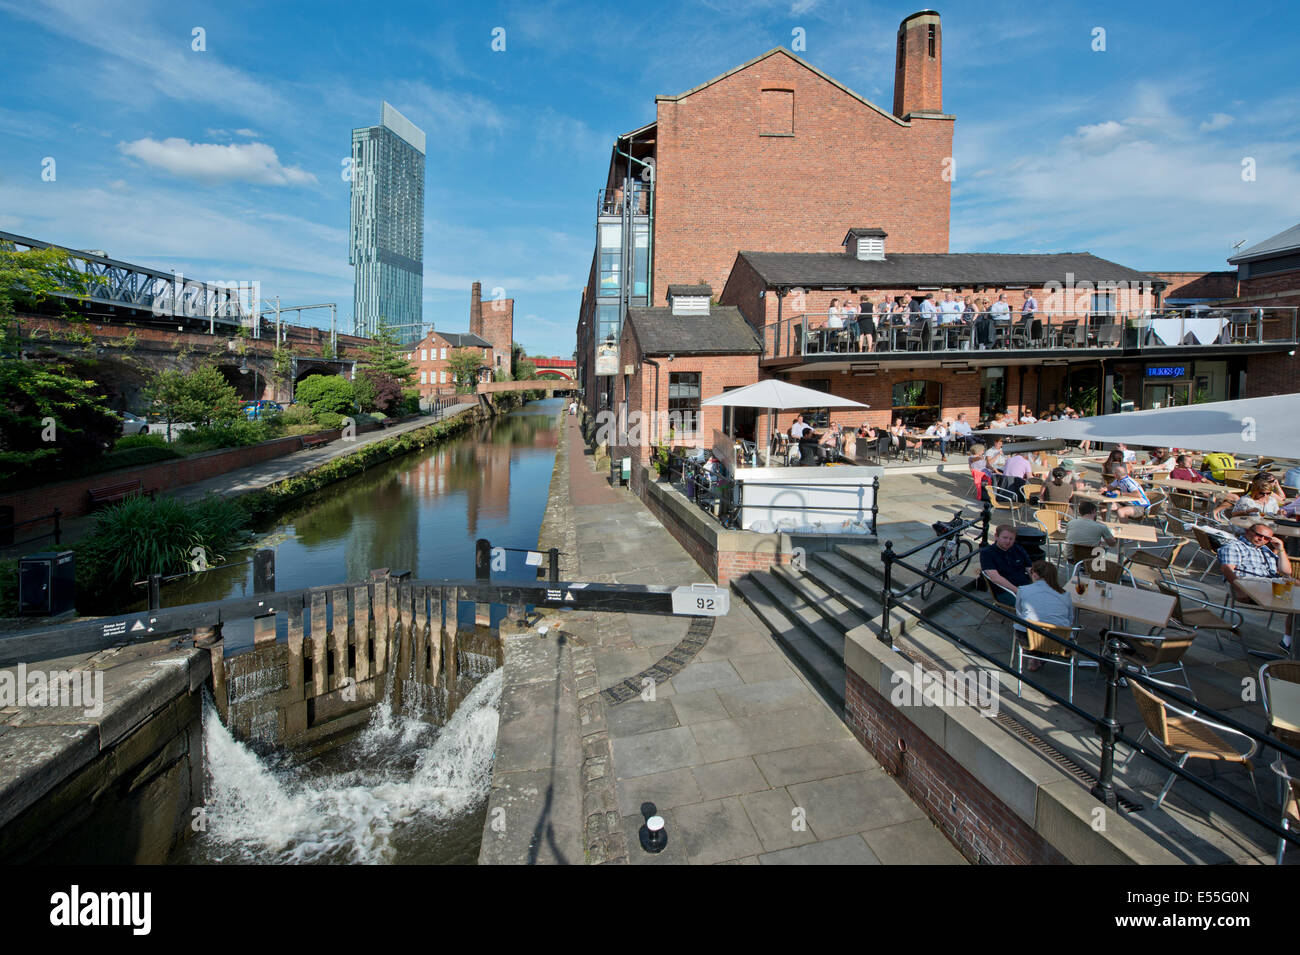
(806, 338)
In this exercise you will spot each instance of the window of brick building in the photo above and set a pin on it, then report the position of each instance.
(777, 113)
(684, 401)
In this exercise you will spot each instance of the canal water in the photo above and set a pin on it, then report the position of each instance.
(402, 789)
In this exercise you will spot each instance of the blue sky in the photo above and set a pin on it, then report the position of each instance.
(226, 163)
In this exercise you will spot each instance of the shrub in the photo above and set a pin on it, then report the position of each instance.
(142, 536)
(328, 420)
(143, 440)
(297, 414)
(233, 434)
(326, 393)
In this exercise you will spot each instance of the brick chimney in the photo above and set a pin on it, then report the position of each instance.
(476, 309)
(918, 68)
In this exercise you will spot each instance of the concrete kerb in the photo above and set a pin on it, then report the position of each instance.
(1054, 805)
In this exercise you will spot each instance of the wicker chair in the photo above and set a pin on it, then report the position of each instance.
(1156, 654)
(1160, 556)
(1054, 527)
(1290, 800)
(1046, 649)
(1287, 671)
(1198, 613)
(1186, 735)
(1001, 499)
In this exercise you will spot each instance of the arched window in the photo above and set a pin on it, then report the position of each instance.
(918, 402)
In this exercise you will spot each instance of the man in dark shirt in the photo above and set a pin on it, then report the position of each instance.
(1005, 563)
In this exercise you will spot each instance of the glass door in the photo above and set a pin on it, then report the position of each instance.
(1174, 394)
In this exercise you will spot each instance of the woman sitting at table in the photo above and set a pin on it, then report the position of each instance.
(1109, 466)
(1058, 490)
(900, 438)
(1264, 497)
(1043, 600)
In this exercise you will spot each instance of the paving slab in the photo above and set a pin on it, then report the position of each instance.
(848, 850)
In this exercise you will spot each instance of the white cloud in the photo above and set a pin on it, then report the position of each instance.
(212, 163)
(1217, 121)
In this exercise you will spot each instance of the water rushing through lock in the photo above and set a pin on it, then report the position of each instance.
(405, 788)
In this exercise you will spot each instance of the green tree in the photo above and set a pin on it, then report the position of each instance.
(464, 364)
(209, 398)
(167, 395)
(385, 355)
(51, 413)
(326, 393)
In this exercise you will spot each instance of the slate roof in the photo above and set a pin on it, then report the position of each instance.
(464, 340)
(723, 331)
(904, 269)
(675, 291)
(1286, 241)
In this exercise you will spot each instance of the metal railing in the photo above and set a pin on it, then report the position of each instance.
(1109, 662)
(8, 525)
(706, 490)
(807, 333)
(610, 202)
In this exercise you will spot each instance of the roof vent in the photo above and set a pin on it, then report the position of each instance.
(867, 245)
(689, 299)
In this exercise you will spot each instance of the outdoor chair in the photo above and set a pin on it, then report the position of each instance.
(1186, 735)
(1156, 654)
(1199, 613)
(915, 336)
(1290, 800)
(1001, 499)
(1045, 649)
(1207, 545)
(1109, 335)
(1054, 527)
(993, 590)
(1159, 556)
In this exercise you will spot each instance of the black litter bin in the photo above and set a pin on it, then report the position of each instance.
(1032, 539)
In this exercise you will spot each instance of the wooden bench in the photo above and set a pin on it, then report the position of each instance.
(389, 422)
(313, 441)
(111, 493)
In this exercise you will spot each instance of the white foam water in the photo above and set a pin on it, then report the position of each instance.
(257, 812)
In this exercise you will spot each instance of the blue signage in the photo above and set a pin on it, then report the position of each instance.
(1167, 371)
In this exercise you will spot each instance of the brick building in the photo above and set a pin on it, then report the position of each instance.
(772, 155)
(430, 357)
(670, 358)
(494, 323)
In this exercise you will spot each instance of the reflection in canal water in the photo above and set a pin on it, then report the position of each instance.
(421, 513)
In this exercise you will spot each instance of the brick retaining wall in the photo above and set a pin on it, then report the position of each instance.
(983, 827)
(71, 497)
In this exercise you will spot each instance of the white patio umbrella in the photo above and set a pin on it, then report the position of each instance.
(1248, 426)
(776, 395)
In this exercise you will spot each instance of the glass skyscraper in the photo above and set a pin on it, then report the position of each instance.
(387, 236)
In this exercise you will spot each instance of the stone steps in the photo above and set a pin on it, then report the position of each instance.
(815, 645)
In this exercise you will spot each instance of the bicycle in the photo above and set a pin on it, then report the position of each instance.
(953, 554)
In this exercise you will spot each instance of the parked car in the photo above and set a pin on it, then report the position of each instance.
(133, 423)
(256, 409)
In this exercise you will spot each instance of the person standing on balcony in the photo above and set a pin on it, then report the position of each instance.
(1029, 316)
(983, 325)
(866, 326)
(850, 312)
(1000, 311)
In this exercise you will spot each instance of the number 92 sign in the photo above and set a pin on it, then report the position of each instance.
(701, 600)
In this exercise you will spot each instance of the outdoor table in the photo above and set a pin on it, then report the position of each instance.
(1260, 591)
(1172, 331)
(1147, 607)
(1089, 494)
(1142, 533)
(1247, 521)
(1193, 487)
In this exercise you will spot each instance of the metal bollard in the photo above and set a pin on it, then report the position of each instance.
(155, 591)
(554, 555)
(888, 557)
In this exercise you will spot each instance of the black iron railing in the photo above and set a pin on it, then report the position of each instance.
(8, 525)
(1109, 661)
